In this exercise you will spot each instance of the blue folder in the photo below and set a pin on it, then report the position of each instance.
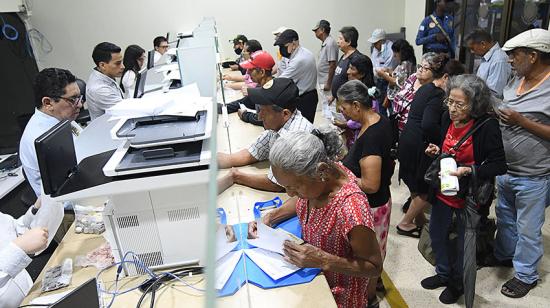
(255, 274)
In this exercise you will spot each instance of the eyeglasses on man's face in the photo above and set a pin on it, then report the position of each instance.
(72, 100)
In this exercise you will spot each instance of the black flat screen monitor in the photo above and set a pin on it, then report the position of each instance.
(150, 59)
(85, 296)
(141, 78)
(56, 156)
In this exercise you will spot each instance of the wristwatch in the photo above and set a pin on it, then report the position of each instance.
(34, 210)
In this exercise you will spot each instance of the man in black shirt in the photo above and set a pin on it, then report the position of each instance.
(347, 42)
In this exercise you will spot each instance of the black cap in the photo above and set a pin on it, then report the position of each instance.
(322, 24)
(282, 92)
(287, 36)
(240, 39)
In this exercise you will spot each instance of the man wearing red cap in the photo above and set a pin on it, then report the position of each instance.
(259, 67)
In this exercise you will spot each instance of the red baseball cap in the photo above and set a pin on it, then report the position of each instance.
(259, 59)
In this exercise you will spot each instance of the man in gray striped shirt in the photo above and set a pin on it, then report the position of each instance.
(277, 101)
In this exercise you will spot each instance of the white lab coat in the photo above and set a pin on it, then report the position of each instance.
(15, 282)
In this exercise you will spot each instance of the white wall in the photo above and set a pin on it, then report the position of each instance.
(414, 14)
(75, 27)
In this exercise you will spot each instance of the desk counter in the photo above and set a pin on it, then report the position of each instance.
(237, 202)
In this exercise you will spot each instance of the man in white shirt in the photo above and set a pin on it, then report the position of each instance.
(326, 63)
(277, 100)
(301, 69)
(57, 98)
(17, 241)
(382, 60)
(160, 44)
(102, 90)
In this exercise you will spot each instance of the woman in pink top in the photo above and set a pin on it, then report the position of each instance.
(336, 220)
(244, 81)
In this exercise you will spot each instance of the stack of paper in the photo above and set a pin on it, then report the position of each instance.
(225, 267)
(270, 239)
(268, 255)
(185, 101)
(273, 264)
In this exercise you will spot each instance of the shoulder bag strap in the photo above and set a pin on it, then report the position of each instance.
(469, 133)
(441, 28)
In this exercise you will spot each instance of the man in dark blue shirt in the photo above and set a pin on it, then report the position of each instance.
(436, 31)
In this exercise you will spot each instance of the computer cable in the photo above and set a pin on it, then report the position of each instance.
(153, 284)
(137, 262)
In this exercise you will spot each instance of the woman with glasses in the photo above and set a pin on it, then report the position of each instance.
(422, 128)
(134, 58)
(402, 100)
(336, 221)
(469, 105)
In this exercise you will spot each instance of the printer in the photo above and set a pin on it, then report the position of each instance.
(156, 184)
(153, 165)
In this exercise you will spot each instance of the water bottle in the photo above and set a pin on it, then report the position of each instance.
(449, 183)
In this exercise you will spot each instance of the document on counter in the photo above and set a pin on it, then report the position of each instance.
(223, 247)
(185, 101)
(242, 106)
(225, 267)
(270, 239)
(273, 264)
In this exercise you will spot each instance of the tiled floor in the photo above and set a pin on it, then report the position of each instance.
(406, 267)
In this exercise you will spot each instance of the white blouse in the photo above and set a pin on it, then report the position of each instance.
(129, 83)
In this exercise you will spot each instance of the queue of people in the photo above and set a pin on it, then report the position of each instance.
(434, 108)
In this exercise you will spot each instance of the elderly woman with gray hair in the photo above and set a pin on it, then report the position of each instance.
(334, 213)
(469, 107)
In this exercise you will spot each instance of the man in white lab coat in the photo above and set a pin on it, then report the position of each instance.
(17, 241)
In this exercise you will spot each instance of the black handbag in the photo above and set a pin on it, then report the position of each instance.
(481, 189)
(432, 173)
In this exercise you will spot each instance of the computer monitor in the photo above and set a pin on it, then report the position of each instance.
(56, 156)
(150, 59)
(141, 78)
(85, 296)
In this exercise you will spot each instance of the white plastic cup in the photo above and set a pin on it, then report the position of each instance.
(449, 183)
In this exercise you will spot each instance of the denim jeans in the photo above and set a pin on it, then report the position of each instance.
(520, 215)
(449, 254)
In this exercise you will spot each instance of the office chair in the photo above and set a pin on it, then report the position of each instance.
(28, 197)
(84, 115)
